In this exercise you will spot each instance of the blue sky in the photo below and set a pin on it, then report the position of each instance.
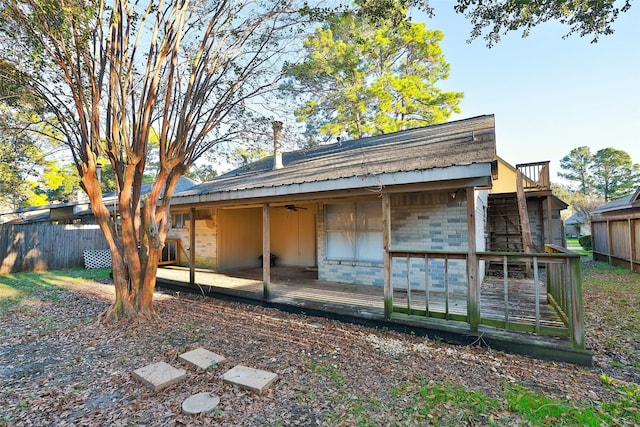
(548, 94)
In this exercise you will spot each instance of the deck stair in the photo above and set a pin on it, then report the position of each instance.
(505, 232)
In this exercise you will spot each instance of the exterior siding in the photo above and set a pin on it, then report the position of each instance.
(419, 221)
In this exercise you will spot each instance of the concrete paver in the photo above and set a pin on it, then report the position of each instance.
(252, 379)
(159, 375)
(201, 358)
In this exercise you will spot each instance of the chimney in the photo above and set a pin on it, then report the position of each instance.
(277, 147)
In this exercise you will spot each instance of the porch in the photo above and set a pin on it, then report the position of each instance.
(519, 315)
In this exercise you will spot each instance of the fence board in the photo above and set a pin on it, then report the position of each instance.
(45, 246)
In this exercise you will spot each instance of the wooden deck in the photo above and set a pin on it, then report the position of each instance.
(299, 290)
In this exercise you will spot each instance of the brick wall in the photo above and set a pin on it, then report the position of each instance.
(206, 241)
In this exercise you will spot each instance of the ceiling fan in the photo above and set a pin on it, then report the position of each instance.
(293, 208)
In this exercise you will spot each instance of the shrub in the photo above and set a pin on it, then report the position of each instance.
(585, 242)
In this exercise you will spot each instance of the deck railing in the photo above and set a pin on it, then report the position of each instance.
(535, 176)
(548, 303)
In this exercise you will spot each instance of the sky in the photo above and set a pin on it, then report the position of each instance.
(548, 94)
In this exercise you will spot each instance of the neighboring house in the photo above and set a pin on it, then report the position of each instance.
(77, 212)
(615, 232)
(578, 224)
(60, 235)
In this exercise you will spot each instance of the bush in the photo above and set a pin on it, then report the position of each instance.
(585, 242)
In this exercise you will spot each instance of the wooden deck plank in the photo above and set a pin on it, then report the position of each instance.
(288, 284)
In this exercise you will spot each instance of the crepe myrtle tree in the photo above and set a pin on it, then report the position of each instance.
(109, 73)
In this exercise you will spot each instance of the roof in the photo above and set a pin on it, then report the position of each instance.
(427, 154)
(577, 218)
(81, 207)
(620, 204)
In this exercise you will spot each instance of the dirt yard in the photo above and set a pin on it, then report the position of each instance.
(59, 367)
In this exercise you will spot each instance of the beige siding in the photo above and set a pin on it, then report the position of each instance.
(293, 235)
(239, 237)
(507, 178)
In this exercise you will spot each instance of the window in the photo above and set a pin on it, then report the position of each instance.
(179, 220)
(354, 231)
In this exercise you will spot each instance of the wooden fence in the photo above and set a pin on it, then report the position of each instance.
(45, 246)
(617, 241)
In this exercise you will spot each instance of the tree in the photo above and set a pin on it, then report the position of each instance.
(363, 79)
(20, 156)
(61, 182)
(499, 17)
(577, 165)
(586, 18)
(614, 174)
(108, 73)
(608, 174)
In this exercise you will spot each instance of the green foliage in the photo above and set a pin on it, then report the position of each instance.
(593, 18)
(577, 165)
(61, 183)
(585, 242)
(363, 79)
(614, 174)
(609, 172)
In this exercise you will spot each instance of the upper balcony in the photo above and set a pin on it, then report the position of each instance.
(535, 176)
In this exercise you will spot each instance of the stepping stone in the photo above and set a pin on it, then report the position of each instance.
(201, 358)
(200, 403)
(249, 378)
(159, 375)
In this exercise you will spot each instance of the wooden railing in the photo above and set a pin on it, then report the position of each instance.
(508, 304)
(535, 176)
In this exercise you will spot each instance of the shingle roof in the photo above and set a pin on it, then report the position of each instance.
(623, 203)
(457, 143)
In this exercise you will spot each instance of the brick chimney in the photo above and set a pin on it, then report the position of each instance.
(277, 146)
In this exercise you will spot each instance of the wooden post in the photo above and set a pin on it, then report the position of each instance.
(609, 242)
(631, 243)
(577, 304)
(386, 242)
(473, 291)
(266, 251)
(550, 219)
(524, 215)
(192, 247)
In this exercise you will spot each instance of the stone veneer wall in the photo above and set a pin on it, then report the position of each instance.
(430, 221)
(419, 221)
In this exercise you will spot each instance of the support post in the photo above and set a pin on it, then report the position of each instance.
(192, 247)
(386, 242)
(609, 242)
(577, 306)
(632, 243)
(266, 251)
(549, 220)
(473, 291)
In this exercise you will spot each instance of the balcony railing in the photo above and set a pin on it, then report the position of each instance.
(433, 284)
(535, 176)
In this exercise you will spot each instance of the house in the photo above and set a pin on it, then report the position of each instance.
(615, 232)
(325, 206)
(59, 235)
(393, 227)
(577, 225)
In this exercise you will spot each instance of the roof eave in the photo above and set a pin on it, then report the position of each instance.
(481, 171)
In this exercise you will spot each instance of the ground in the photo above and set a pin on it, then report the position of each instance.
(59, 367)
